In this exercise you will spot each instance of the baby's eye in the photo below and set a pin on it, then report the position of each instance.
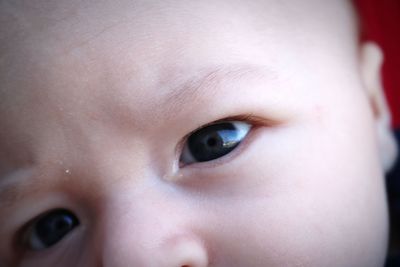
(214, 141)
(50, 229)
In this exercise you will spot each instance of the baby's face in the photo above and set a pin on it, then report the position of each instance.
(198, 133)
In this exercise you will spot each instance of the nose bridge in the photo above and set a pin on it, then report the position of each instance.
(151, 230)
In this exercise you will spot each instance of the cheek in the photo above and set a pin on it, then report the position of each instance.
(306, 199)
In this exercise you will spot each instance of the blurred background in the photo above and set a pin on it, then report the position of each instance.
(380, 22)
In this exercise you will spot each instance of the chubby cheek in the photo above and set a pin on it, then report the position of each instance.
(305, 200)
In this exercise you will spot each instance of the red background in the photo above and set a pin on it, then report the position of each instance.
(380, 21)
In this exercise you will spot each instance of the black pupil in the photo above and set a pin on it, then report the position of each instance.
(213, 141)
(54, 226)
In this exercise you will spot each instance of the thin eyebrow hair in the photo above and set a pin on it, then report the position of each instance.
(210, 78)
(15, 185)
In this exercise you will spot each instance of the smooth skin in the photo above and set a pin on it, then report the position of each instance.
(97, 99)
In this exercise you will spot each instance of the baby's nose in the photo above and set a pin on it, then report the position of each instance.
(152, 235)
(176, 251)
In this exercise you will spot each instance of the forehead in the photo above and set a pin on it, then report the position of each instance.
(150, 30)
(152, 41)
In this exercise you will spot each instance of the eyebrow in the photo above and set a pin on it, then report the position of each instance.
(210, 78)
(15, 184)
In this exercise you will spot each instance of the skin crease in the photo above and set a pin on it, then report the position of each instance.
(90, 122)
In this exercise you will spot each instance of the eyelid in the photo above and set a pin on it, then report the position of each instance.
(249, 118)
